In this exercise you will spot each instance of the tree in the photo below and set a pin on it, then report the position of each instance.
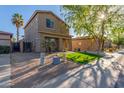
(18, 21)
(13, 39)
(117, 36)
(92, 21)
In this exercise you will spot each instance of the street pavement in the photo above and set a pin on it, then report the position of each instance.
(5, 70)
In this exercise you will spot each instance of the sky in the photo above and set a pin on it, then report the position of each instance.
(6, 12)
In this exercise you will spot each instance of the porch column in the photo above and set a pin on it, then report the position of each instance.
(42, 44)
(60, 44)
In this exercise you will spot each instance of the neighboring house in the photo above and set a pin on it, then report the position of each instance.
(87, 44)
(5, 38)
(44, 28)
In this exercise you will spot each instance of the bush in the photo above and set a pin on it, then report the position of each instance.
(4, 49)
(61, 55)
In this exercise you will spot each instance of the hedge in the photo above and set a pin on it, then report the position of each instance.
(4, 49)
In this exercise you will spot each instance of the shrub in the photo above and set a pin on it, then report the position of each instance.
(61, 55)
(4, 49)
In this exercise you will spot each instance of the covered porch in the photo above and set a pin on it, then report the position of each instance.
(55, 43)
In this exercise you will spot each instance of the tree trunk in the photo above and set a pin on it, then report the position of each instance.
(102, 45)
(102, 37)
(98, 45)
(118, 45)
(17, 34)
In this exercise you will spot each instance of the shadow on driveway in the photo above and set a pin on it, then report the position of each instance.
(67, 74)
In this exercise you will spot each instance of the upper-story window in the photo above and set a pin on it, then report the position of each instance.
(49, 23)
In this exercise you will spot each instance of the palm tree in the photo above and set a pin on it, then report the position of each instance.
(18, 21)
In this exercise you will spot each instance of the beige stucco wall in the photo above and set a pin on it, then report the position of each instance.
(31, 30)
(2, 36)
(84, 44)
(59, 26)
(32, 35)
(36, 31)
(5, 40)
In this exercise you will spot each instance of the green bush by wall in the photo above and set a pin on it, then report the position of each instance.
(4, 49)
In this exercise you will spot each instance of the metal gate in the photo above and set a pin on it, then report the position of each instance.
(16, 47)
(27, 47)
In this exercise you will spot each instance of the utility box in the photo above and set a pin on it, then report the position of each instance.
(56, 60)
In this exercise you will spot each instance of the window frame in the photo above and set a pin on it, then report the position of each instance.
(50, 25)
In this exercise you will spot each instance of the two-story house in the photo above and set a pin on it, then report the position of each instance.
(47, 32)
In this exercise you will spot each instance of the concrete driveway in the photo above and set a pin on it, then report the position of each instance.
(26, 72)
(98, 75)
(104, 73)
(120, 64)
(4, 59)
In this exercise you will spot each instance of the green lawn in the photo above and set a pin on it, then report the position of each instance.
(82, 58)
